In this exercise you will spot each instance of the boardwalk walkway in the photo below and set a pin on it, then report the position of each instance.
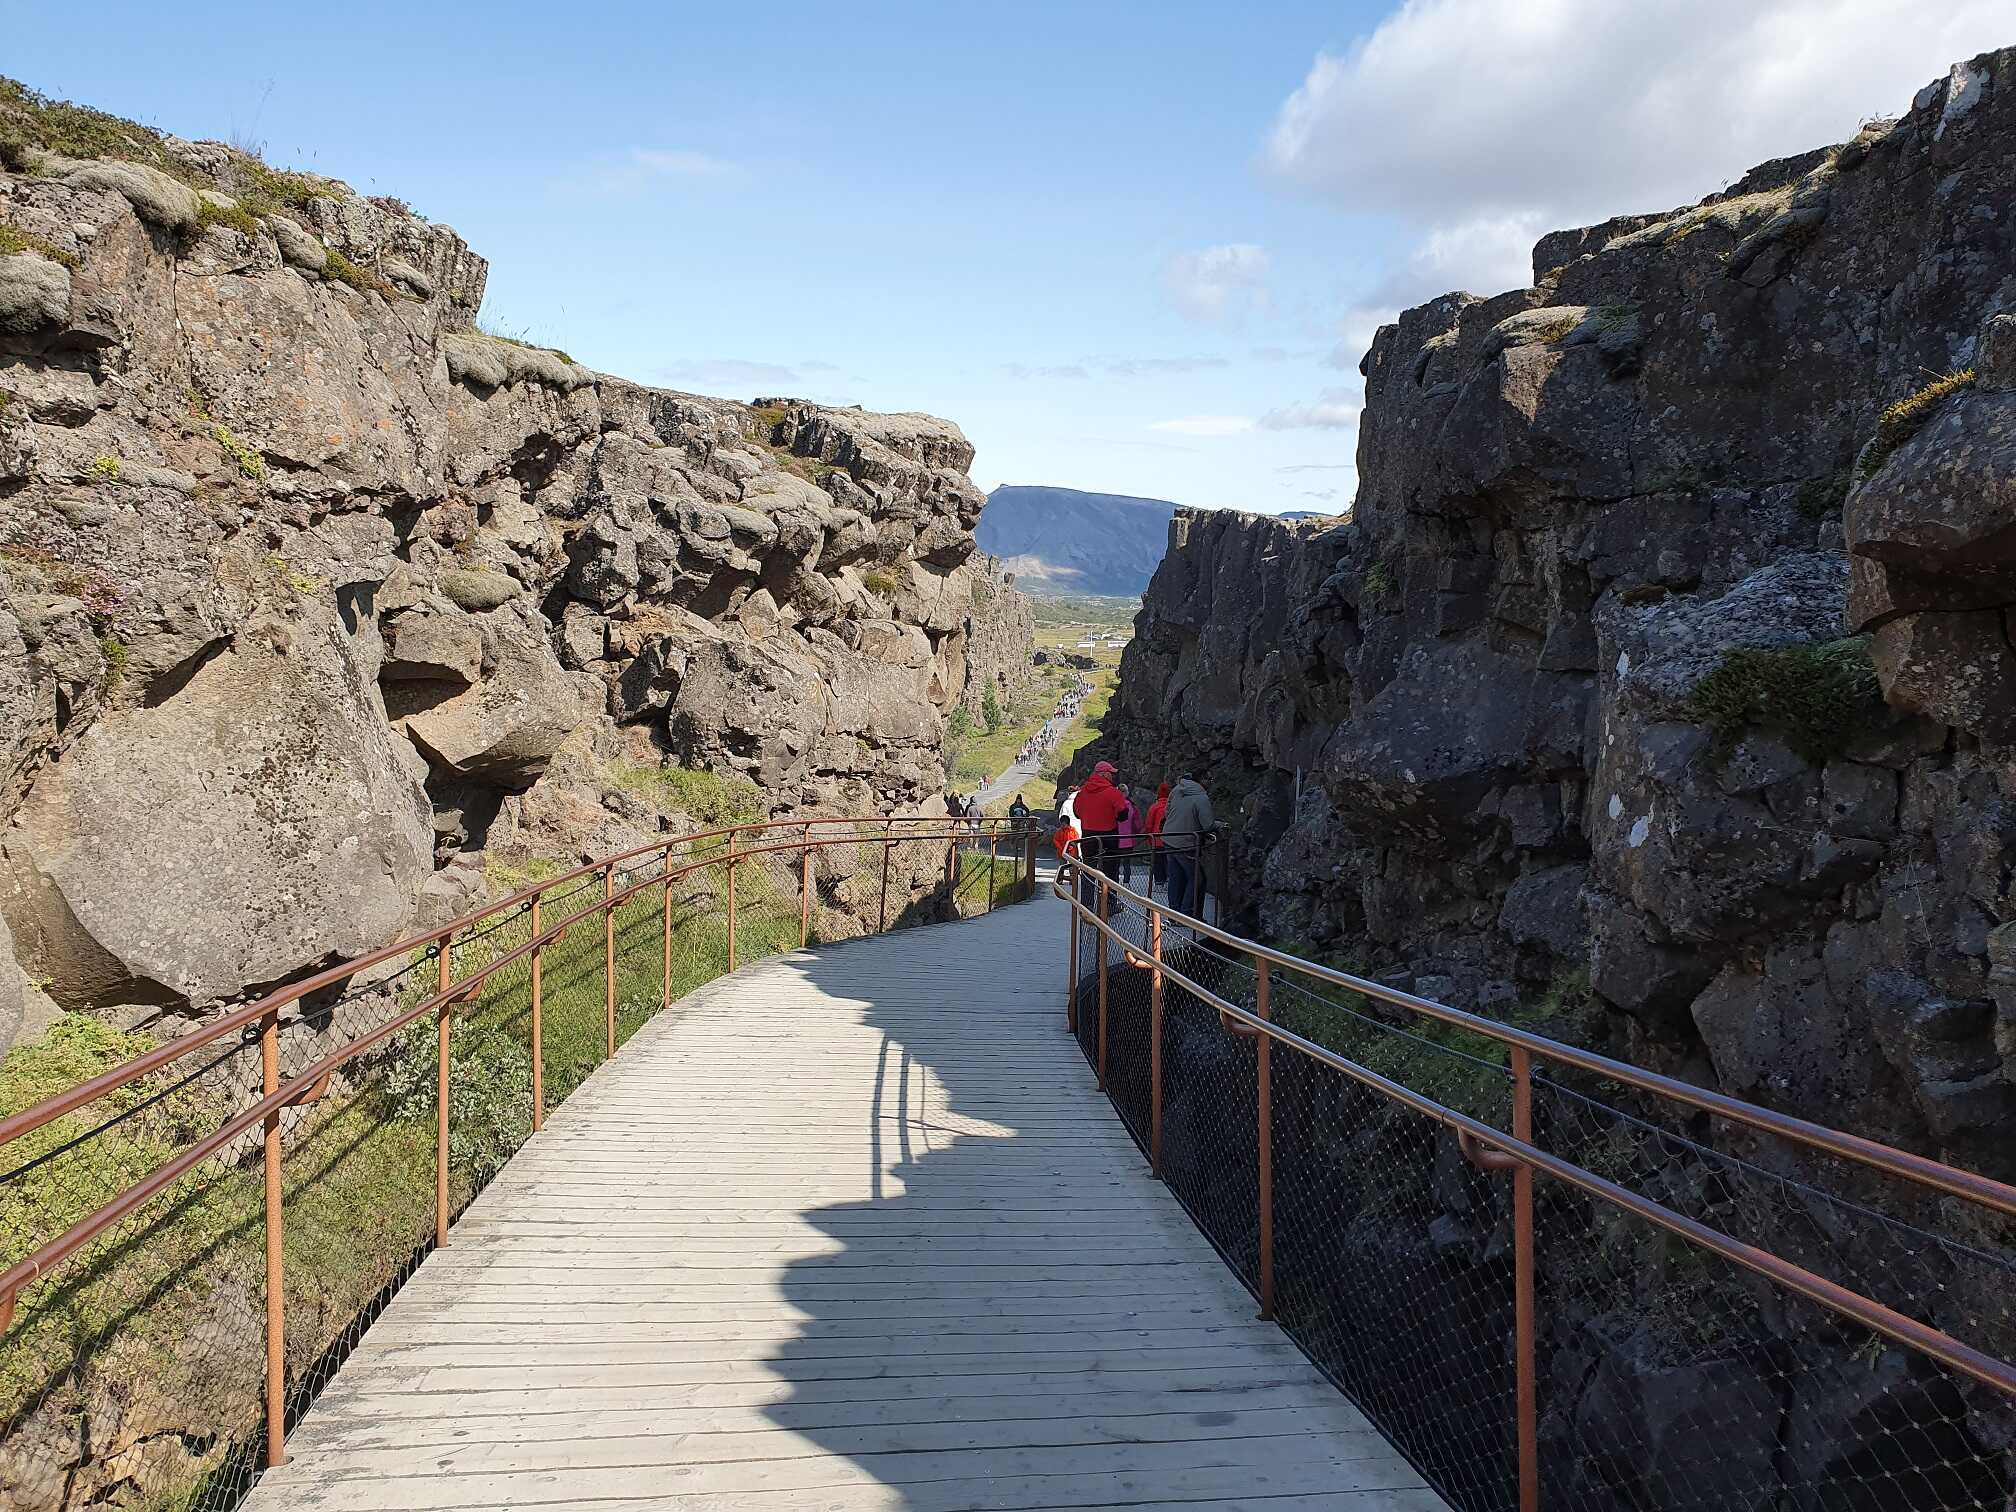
(849, 1230)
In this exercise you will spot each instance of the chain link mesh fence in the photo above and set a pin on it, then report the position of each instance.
(132, 1373)
(1665, 1376)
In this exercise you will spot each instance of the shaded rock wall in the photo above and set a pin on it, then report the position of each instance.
(305, 581)
(1661, 647)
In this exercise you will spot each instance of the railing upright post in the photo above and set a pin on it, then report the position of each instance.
(1104, 914)
(882, 911)
(1155, 1043)
(1522, 1252)
(442, 1027)
(805, 890)
(1029, 868)
(276, 1264)
(665, 928)
(1064, 875)
(733, 837)
(1264, 1049)
(538, 1021)
(609, 959)
(993, 843)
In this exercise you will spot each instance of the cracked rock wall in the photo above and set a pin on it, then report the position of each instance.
(312, 594)
(1660, 646)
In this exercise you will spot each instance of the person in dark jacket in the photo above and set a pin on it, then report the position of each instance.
(1185, 824)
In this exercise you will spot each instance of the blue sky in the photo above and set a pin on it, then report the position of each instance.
(1134, 248)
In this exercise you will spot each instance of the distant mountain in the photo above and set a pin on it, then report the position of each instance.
(1059, 540)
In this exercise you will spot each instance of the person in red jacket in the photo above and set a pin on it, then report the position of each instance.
(1099, 805)
(1157, 870)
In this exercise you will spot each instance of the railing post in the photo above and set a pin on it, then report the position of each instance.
(441, 1031)
(993, 842)
(733, 836)
(1029, 868)
(538, 1024)
(276, 1265)
(1522, 1253)
(805, 890)
(609, 958)
(1155, 1043)
(1264, 1049)
(1071, 919)
(1101, 956)
(882, 911)
(665, 927)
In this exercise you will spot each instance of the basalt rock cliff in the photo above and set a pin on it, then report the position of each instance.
(1670, 642)
(312, 594)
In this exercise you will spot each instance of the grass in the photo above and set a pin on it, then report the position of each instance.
(237, 217)
(1819, 697)
(1378, 581)
(710, 799)
(1907, 416)
(13, 243)
(879, 580)
(364, 280)
(250, 464)
(113, 650)
(521, 339)
(988, 751)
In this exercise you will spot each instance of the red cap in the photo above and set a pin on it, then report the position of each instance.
(1104, 766)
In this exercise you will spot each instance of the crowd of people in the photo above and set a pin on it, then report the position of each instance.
(1117, 830)
(1044, 741)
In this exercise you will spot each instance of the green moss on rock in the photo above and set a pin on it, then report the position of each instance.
(1819, 696)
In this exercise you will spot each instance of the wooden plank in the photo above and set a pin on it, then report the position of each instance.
(850, 1231)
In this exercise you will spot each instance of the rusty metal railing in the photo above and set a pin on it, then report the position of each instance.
(1160, 999)
(700, 903)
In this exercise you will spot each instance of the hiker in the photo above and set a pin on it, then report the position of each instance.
(1185, 823)
(1098, 806)
(954, 809)
(1131, 825)
(1158, 865)
(1018, 810)
(1063, 836)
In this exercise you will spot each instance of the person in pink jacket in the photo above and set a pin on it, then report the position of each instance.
(1130, 829)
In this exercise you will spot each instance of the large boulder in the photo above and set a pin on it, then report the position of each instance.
(262, 819)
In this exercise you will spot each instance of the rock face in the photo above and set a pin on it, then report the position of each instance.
(1670, 641)
(304, 579)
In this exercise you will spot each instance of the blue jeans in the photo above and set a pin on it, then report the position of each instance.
(1182, 880)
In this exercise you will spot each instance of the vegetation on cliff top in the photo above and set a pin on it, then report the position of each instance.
(1819, 697)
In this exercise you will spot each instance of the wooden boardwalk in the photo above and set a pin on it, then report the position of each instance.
(849, 1231)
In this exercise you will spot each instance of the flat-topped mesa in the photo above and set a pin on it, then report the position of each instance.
(304, 574)
(1669, 642)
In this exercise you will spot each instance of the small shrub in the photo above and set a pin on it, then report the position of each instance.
(1903, 420)
(1819, 697)
(709, 798)
(879, 580)
(105, 469)
(364, 280)
(13, 242)
(490, 1081)
(199, 407)
(113, 650)
(990, 709)
(1378, 581)
(237, 217)
(250, 463)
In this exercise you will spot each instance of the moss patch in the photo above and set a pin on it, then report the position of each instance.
(13, 243)
(365, 280)
(250, 463)
(105, 469)
(1907, 416)
(209, 213)
(708, 798)
(1819, 697)
(1821, 498)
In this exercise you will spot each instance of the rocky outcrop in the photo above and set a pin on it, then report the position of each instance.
(1670, 641)
(304, 578)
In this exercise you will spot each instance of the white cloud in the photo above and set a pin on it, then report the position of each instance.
(1337, 409)
(1523, 116)
(1206, 425)
(1216, 284)
(642, 166)
(1308, 467)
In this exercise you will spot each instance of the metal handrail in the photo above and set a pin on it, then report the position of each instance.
(1989, 1193)
(85, 1092)
(1493, 1149)
(307, 1085)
